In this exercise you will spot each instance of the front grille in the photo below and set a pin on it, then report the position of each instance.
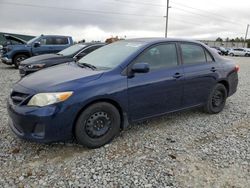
(18, 98)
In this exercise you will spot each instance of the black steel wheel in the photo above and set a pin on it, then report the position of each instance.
(216, 100)
(97, 125)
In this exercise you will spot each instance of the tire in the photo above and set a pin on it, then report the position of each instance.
(231, 54)
(18, 58)
(97, 125)
(216, 100)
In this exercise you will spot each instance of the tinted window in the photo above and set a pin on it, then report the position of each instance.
(54, 41)
(192, 53)
(61, 41)
(161, 56)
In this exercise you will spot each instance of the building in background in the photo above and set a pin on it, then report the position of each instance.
(225, 44)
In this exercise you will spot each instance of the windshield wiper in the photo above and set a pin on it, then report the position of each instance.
(87, 65)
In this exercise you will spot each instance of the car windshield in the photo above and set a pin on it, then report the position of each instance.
(71, 50)
(111, 55)
(33, 40)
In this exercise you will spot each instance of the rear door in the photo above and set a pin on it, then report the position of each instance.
(59, 43)
(200, 72)
(160, 90)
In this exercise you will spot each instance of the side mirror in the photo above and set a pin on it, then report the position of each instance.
(37, 44)
(140, 68)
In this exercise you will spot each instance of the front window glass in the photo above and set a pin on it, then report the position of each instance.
(33, 40)
(158, 57)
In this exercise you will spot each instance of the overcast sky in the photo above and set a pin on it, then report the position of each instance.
(100, 19)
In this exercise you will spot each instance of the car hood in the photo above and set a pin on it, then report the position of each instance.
(63, 77)
(42, 58)
(11, 37)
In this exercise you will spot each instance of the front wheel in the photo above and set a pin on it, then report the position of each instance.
(97, 125)
(18, 59)
(231, 54)
(216, 100)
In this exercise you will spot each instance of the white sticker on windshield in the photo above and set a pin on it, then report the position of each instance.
(134, 45)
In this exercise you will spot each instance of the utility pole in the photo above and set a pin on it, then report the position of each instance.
(167, 10)
(246, 34)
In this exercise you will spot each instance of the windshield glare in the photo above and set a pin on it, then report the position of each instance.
(33, 40)
(111, 55)
(71, 50)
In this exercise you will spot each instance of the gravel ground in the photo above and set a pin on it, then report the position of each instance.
(186, 149)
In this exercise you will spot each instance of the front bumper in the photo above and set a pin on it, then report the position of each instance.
(6, 60)
(46, 124)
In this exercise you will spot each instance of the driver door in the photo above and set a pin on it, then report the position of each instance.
(160, 90)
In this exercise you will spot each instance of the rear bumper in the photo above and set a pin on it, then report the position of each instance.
(233, 83)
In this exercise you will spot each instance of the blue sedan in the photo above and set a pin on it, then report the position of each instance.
(124, 82)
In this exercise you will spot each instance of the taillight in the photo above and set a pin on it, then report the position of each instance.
(237, 68)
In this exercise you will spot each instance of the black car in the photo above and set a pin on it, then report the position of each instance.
(72, 53)
(222, 50)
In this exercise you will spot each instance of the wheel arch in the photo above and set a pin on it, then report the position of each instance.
(226, 84)
(21, 53)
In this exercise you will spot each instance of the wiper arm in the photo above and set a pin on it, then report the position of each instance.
(87, 65)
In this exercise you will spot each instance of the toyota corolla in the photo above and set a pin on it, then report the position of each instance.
(124, 82)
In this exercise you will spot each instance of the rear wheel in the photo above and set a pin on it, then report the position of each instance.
(97, 125)
(18, 59)
(216, 100)
(231, 54)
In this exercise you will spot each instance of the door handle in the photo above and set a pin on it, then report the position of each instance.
(213, 69)
(177, 75)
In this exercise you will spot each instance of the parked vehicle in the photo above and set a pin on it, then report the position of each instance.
(1, 49)
(15, 53)
(123, 82)
(72, 53)
(222, 50)
(238, 52)
(216, 51)
(248, 51)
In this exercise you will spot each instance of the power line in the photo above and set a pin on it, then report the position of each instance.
(80, 10)
(211, 14)
(202, 15)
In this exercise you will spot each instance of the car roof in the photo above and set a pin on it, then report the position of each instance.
(54, 35)
(156, 40)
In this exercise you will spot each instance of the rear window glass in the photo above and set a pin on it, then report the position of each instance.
(192, 54)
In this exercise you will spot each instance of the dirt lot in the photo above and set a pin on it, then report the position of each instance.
(186, 149)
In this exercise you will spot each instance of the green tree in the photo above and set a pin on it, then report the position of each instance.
(219, 39)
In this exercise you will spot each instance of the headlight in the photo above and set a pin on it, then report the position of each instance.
(44, 99)
(36, 66)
